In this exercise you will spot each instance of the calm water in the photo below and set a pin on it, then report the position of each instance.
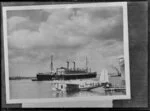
(21, 89)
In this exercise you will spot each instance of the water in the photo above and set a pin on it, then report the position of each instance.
(23, 89)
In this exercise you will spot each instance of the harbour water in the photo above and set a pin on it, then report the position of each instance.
(24, 89)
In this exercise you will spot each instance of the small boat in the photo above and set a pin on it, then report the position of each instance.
(76, 85)
(80, 85)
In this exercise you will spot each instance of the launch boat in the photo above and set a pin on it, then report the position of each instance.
(83, 85)
(76, 85)
(66, 73)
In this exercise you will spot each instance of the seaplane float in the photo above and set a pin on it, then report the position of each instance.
(83, 85)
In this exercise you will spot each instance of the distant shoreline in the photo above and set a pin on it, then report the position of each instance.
(20, 78)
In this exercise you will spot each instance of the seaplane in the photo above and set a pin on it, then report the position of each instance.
(83, 85)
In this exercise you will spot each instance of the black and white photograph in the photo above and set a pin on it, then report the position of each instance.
(66, 52)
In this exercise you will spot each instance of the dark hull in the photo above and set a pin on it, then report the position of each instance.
(76, 88)
(46, 77)
(42, 77)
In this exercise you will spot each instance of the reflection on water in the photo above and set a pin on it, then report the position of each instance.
(20, 89)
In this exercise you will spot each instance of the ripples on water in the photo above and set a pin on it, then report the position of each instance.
(21, 89)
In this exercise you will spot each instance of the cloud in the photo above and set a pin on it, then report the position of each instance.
(14, 21)
(68, 34)
(68, 27)
(23, 39)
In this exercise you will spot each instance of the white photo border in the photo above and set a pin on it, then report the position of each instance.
(81, 5)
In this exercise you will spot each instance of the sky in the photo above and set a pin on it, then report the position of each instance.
(68, 34)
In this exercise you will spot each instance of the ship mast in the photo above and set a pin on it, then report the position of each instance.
(51, 63)
(86, 64)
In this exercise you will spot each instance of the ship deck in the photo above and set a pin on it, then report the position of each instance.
(75, 81)
(78, 74)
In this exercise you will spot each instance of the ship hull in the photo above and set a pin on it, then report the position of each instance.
(42, 77)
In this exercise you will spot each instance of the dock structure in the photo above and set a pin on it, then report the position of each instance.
(114, 89)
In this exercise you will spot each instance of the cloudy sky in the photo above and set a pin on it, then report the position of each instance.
(68, 34)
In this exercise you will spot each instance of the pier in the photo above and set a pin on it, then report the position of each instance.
(115, 89)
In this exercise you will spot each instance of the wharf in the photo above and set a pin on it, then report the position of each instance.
(115, 89)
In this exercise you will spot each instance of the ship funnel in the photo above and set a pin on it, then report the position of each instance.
(74, 65)
(67, 64)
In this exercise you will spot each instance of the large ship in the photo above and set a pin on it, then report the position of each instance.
(66, 73)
